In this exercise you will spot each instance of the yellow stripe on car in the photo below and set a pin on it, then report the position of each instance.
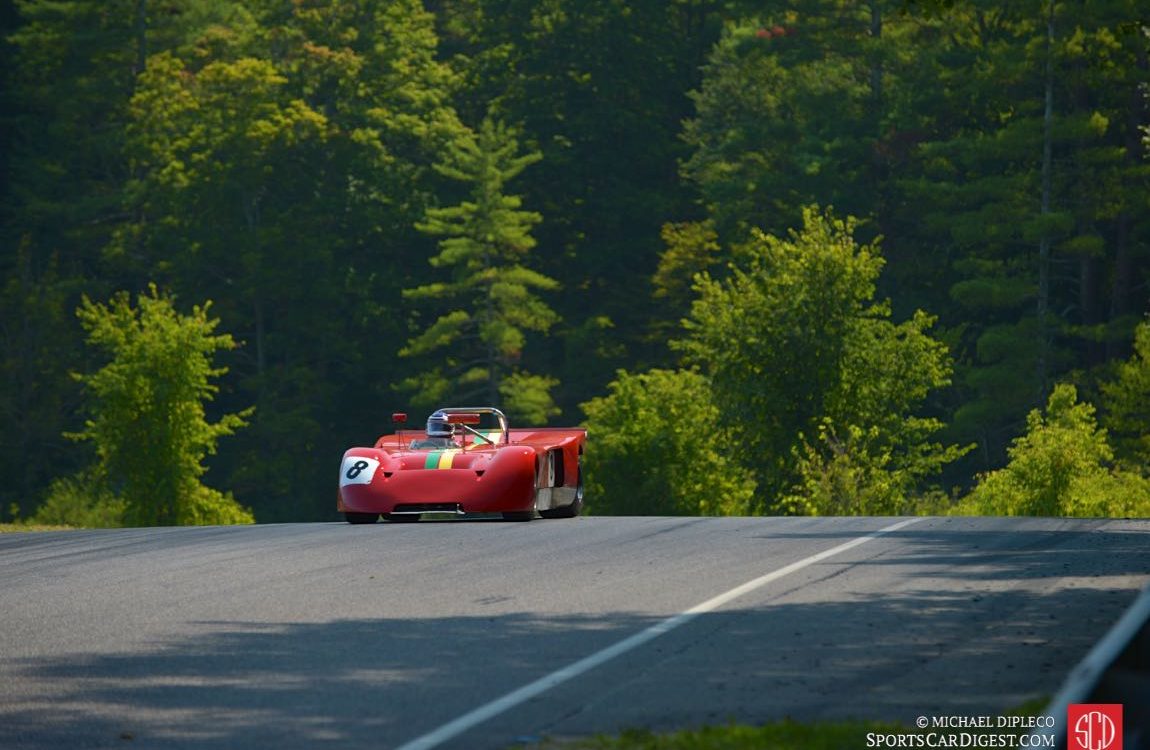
(446, 458)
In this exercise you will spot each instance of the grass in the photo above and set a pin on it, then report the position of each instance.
(9, 528)
(780, 735)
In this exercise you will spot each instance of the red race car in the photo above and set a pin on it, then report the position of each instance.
(469, 460)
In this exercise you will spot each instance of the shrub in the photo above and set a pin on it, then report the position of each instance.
(1062, 466)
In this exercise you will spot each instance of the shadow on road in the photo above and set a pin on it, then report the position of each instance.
(965, 650)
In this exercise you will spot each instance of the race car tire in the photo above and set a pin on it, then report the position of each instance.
(402, 517)
(358, 518)
(576, 506)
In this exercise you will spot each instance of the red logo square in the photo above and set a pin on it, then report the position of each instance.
(1094, 726)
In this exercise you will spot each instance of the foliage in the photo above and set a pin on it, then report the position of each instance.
(931, 124)
(778, 735)
(1032, 261)
(277, 158)
(777, 128)
(148, 423)
(600, 89)
(811, 375)
(772, 336)
(871, 454)
(479, 344)
(80, 501)
(657, 448)
(691, 248)
(35, 336)
(278, 164)
(865, 472)
(1062, 466)
(1126, 400)
(66, 68)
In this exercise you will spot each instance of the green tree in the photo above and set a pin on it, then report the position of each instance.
(1019, 107)
(600, 88)
(68, 70)
(659, 449)
(148, 422)
(1062, 466)
(804, 365)
(1126, 399)
(963, 133)
(36, 344)
(221, 198)
(788, 114)
(478, 345)
(871, 452)
(279, 164)
(692, 248)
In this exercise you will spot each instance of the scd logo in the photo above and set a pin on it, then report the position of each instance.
(1094, 726)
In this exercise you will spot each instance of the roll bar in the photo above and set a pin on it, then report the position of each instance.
(503, 426)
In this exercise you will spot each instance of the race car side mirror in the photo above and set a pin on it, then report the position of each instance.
(399, 417)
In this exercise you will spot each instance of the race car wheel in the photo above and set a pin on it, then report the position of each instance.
(576, 506)
(361, 517)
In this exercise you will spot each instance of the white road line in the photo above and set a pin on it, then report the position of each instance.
(490, 710)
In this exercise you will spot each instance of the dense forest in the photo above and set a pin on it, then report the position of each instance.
(814, 256)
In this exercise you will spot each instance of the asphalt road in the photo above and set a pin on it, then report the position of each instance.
(330, 635)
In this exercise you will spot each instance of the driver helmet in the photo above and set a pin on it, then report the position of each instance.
(438, 426)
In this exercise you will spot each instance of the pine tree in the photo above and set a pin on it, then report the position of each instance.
(1020, 198)
(600, 88)
(492, 295)
(1126, 399)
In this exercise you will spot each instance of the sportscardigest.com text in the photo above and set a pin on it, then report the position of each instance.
(969, 732)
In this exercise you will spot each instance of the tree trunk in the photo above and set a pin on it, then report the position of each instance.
(141, 27)
(1043, 311)
(1124, 263)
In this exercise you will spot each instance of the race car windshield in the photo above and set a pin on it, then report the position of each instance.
(432, 443)
(457, 428)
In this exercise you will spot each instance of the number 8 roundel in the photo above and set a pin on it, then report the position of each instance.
(357, 470)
